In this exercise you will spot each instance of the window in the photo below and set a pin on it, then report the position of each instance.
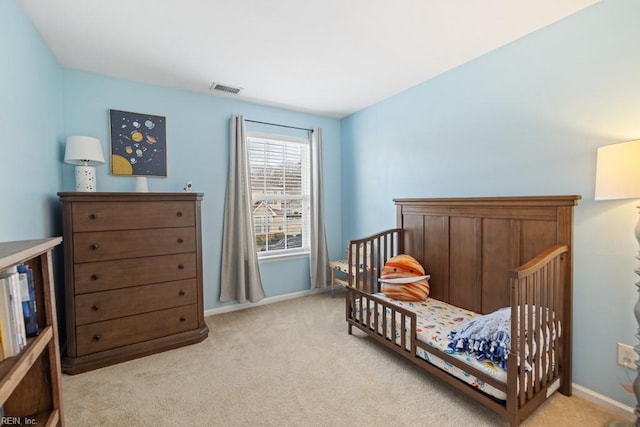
(280, 193)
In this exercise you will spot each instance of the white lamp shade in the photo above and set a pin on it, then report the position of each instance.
(83, 150)
(618, 171)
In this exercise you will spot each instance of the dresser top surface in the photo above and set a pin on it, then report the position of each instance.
(99, 196)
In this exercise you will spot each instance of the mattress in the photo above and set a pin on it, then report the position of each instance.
(435, 320)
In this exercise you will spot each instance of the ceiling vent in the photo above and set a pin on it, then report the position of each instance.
(225, 88)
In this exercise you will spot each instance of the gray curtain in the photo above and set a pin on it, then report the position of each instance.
(240, 277)
(319, 255)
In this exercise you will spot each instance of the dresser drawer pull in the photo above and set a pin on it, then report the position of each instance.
(181, 293)
(96, 337)
(93, 216)
(95, 276)
(180, 267)
(180, 240)
(93, 246)
(179, 214)
(183, 319)
(95, 307)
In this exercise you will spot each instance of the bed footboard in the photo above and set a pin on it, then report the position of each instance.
(539, 358)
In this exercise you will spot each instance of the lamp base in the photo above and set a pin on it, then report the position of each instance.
(85, 178)
(142, 186)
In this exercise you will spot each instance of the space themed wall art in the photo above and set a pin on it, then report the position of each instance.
(138, 144)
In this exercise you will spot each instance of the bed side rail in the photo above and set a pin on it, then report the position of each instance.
(366, 257)
(537, 351)
(388, 323)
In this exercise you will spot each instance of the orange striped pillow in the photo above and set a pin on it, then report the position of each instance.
(404, 266)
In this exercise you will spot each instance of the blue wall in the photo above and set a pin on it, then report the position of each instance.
(525, 119)
(198, 150)
(30, 129)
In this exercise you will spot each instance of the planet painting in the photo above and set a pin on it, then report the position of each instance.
(138, 144)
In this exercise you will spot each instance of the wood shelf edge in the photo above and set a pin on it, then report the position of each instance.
(53, 419)
(13, 253)
(19, 365)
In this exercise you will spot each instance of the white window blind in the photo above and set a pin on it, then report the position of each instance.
(280, 193)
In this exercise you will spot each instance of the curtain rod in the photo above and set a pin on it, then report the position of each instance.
(275, 124)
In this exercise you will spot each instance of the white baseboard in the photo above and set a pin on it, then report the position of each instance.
(265, 301)
(601, 400)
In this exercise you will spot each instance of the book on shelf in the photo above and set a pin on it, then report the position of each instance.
(16, 302)
(6, 330)
(13, 326)
(28, 294)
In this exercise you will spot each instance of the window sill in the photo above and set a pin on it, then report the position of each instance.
(283, 257)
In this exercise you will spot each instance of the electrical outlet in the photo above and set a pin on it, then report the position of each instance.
(627, 356)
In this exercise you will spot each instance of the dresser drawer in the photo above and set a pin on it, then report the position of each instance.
(101, 216)
(99, 306)
(106, 245)
(123, 273)
(95, 337)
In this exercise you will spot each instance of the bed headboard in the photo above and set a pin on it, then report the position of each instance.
(468, 245)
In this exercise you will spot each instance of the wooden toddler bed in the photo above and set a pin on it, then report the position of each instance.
(482, 254)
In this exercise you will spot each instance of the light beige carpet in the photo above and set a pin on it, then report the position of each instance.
(290, 363)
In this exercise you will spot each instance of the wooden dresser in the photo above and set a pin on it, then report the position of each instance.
(133, 276)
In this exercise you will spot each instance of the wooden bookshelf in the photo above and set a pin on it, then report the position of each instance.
(30, 389)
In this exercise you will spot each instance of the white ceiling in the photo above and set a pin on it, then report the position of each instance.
(329, 57)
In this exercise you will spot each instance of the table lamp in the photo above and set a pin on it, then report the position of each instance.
(618, 177)
(85, 152)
